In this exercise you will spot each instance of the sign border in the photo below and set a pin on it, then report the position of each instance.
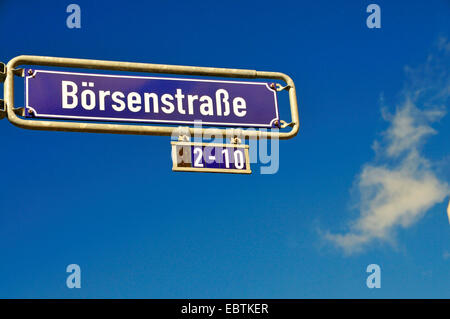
(270, 125)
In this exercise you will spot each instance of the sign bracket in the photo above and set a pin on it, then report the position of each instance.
(183, 134)
(3, 74)
(2, 79)
(286, 124)
(19, 72)
(281, 88)
(236, 140)
(2, 109)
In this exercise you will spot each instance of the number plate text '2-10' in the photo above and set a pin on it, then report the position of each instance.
(101, 97)
(213, 158)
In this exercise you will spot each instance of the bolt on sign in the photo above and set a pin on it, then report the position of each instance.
(152, 105)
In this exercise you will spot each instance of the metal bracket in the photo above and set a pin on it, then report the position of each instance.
(2, 109)
(183, 134)
(19, 111)
(286, 124)
(19, 72)
(236, 136)
(183, 138)
(281, 88)
(2, 72)
(2, 79)
(235, 140)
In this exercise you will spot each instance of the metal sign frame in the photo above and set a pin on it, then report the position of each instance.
(10, 110)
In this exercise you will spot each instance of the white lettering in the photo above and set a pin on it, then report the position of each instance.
(239, 107)
(191, 99)
(102, 95)
(223, 99)
(208, 105)
(165, 100)
(221, 104)
(132, 99)
(154, 97)
(115, 97)
(66, 94)
(84, 102)
(180, 98)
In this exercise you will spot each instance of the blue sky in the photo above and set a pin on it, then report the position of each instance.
(112, 205)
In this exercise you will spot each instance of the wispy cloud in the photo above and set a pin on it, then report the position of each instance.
(448, 212)
(400, 186)
(446, 255)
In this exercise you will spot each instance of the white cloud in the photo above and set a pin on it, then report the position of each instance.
(446, 255)
(401, 186)
(448, 212)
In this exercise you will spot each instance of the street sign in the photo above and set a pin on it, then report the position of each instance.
(210, 157)
(124, 104)
(101, 97)
(217, 107)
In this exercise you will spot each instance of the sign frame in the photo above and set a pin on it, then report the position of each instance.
(71, 126)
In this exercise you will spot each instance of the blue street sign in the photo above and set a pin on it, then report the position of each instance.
(101, 97)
